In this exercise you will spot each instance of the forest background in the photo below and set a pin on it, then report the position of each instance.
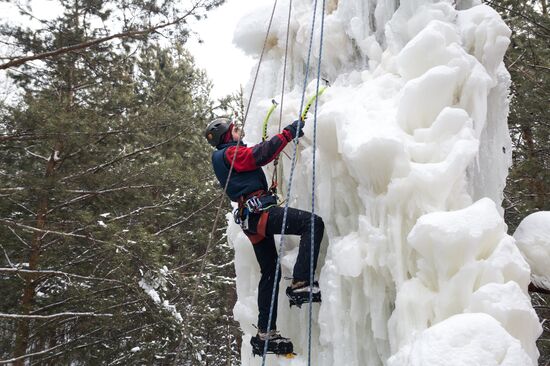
(108, 253)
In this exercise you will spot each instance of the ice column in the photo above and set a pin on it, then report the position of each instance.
(412, 156)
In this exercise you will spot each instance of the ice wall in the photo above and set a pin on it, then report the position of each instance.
(533, 240)
(412, 153)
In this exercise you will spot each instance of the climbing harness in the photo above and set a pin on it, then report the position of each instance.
(255, 203)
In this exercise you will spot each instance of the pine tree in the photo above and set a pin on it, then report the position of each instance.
(528, 188)
(106, 192)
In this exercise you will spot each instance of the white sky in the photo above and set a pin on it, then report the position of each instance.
(227, 66)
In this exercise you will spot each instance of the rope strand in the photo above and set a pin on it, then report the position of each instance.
(275, 177)
(285, 214)
(312, 236)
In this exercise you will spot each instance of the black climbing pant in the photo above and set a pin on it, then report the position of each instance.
(298, 222)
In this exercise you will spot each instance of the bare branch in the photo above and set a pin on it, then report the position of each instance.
(88, 344)
(136, 152)
(6, 255)
(494, 4)
(11, 360)
(56, 273)
(23, 207)
(539, 67)
(88, 194)
(20, 238)
(517, 59)
(83, 45)
(215, 199)
(23, 316)
(43, 136)
(533, 288)
(36, 155)
(2, 362)
(139, 209)
(45, 232)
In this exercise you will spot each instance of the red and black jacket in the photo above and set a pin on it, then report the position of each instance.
(247, 175)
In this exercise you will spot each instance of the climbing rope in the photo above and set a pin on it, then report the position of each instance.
(275, 179)
(218, 211)
(313, 185)
(289, 185)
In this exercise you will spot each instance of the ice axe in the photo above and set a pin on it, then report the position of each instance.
(312, 99)
(266, 119)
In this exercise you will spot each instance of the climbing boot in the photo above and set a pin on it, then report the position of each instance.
(276, 343)
(298, 293)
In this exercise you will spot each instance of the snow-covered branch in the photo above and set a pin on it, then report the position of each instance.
(49, 350)
(215, 199)
(13, 223)
(36, 155)
(86, 344)
(139, 209)
(59, 315)
(55, 273)
(11, 360)
(94, 42)
(89, 194)
(99, 167)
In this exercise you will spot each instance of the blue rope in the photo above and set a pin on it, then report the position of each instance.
(277, 268)
(313, 188)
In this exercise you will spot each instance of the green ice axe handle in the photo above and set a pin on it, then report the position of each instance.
(310, 102)
(266, 119)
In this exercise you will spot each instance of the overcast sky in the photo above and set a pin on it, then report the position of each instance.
(227, 66)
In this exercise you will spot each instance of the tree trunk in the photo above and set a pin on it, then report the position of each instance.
(22, 334)
(537, 186)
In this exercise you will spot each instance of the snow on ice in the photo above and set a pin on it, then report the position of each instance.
(412, 155)
(533, 239)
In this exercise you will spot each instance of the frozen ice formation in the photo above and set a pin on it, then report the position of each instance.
(533, 240)
(412, 156)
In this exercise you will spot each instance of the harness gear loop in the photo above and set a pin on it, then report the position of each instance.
(258, 202)
(257, 237)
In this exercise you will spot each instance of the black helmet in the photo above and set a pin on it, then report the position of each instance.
(215, 130)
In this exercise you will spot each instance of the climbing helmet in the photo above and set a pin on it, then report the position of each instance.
(216, 129)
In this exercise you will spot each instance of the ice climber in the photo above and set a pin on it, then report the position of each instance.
(261, 219)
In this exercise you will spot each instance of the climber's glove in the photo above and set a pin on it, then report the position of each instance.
(294, 127)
